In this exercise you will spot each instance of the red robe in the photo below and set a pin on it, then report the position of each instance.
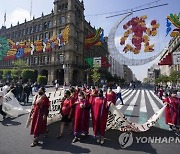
(73, 100)
(81, 121)
(93, 95)
(66, 107)
(39, 125)
(99, 116)
(111, 97)
(172, 111)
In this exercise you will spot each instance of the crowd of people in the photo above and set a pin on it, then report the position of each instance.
(171, 97)
(20, 91)
(79, 104)
(76, 107)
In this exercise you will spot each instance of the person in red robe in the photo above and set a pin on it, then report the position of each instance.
(82, 114)
(73, 100)
(66, 112)
(100, 114)
(111, 95)
(93, 95)
(77, 90)
(160, 92)
(39, 117)
(172, 111)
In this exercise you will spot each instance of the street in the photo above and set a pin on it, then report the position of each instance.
(140, 105)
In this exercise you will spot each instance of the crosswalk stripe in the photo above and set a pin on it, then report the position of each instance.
(143, 104)
(125, 95)
(125, 91)
(153, 104)
(126, 99)
(157, 98)
(133, 102)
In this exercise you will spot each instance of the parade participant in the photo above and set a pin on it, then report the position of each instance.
(39, 117)
(100, 115)
(73, 100)
(77, 90)
(81, 121)
(1, 104)
(66, 111)
(160, 92)
(87, 93)
(111, 95)
(118, 95)
(172, 111)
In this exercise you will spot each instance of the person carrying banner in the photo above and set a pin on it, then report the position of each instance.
(39, 118)
(100, 114)
(111, 95)
(82, 114)
(66, 112)
(1, 104)
(172, 111)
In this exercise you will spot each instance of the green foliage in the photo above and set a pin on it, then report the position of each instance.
(15, 74)
(95, 75)
(28, 74)
(174, 76)
(42, 79)
(6, 73)
(163, 79)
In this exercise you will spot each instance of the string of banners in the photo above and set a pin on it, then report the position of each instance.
(116, 119)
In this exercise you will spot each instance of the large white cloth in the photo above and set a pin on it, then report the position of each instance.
(11, 106)
(116, 120)
(1, 97)
(5, 89)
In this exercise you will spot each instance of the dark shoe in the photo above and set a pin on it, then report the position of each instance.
(75, 140)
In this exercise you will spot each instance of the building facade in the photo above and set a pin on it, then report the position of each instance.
(128, 74)
(153, 73)
(116, 68)
(167, 61)
(65, 63)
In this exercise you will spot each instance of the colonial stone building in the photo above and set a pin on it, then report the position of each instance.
(65, 63)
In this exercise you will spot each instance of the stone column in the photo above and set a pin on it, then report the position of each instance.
(67, 74)
(51, 75)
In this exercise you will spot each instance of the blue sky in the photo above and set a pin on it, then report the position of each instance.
(20, 9)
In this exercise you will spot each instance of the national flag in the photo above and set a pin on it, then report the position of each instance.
(98, 62)
(89, 61)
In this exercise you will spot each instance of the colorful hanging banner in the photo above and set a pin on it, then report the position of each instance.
(175, 20)
(137, 28)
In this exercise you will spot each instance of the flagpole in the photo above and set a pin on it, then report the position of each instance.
(5, 18)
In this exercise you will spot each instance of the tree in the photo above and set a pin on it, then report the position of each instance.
(42, 80)
(174, 76)
(15, 74)
(19, 65)
(6, 74)
(95, 75)
(28, 74)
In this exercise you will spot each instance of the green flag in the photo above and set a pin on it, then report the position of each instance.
(89, 61)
